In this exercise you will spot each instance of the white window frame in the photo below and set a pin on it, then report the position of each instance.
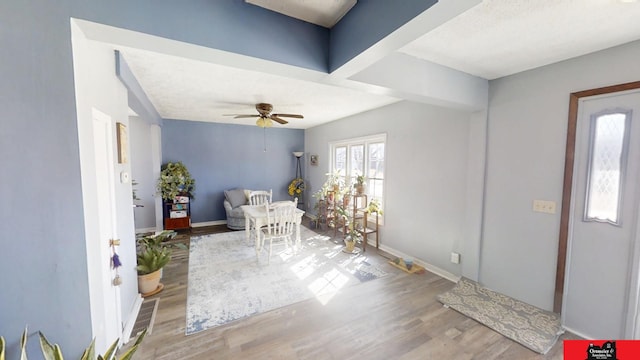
(364, 141)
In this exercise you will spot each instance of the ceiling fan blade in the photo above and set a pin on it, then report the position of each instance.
(246, 116)
(290, 115)
(278, 120)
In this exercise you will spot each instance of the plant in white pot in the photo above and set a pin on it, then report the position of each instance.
(153, 253)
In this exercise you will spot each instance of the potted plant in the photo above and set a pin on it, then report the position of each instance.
(334, 181)
(352, 235)
(152, 255)
(53, 351)
(175, 180)
(374, 207)
(359, 185)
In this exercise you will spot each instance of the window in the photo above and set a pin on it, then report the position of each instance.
(361, 156)
(606, 167)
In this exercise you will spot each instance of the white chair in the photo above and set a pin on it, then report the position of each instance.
(260, 197)
(281, 223)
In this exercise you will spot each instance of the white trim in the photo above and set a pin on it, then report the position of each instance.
(209, 223)
(133, 316)
(368, 138)
(577, 333)
(431, 268)
(146, 230)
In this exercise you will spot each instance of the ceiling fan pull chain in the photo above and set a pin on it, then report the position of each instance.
(264, 132)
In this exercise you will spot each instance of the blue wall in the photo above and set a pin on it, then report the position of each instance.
(43, 272)
(226, 156)
(367, 23)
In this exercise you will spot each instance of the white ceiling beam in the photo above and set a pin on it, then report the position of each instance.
(433, 17)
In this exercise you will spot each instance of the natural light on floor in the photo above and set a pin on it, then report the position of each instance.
(323, 285)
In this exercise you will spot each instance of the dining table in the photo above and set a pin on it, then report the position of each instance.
(255, 217)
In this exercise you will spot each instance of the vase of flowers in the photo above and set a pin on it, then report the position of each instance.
(296, 187)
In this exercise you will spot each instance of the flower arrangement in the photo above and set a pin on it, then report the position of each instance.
(296, 187)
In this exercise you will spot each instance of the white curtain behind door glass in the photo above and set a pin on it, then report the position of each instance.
(605, 168)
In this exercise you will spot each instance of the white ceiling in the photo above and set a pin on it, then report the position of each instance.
(496, 38)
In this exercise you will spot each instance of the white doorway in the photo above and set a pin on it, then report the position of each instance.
(106, 313)
(600, 292)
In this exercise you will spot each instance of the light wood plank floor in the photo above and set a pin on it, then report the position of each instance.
(395, 317)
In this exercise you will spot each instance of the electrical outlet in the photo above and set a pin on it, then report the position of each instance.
(455, 258)
(544, 206)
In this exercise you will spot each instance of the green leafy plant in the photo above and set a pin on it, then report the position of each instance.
(54, 352)
(334, 180)
(152, 260)
(159, 240)
(133, 190)
(154, 251)
(374, 207)
(175, 180)
(359, 180)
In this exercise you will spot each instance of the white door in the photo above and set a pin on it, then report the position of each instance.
(107, 315)
(600, 291)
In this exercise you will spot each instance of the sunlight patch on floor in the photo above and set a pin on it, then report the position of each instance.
(306, 266)
(326, 286)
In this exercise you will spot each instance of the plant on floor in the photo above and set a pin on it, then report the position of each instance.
(352, 235)
(153, 251)
(54, 352)
(175, 180)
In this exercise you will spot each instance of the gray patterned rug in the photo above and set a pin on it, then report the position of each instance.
(226, 282)
(528, 325)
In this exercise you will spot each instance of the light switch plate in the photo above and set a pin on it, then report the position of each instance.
(544, 206)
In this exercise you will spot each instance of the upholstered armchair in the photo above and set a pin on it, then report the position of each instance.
(233, 200)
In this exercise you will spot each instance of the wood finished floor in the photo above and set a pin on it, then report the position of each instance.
(395, 317)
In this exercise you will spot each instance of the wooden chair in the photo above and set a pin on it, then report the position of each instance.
(281, 223)
(260, 197)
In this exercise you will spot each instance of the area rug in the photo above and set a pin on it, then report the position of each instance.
(227, 282)
(528, 325)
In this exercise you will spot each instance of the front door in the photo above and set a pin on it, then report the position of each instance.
(602, 267)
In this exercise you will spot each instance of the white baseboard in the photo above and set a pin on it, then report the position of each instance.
(145, 230)
(195, 225)
(209, 223)
(131, 320)
(432, 268)
(576, 332)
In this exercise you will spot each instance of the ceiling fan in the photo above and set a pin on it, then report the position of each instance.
(265, 116)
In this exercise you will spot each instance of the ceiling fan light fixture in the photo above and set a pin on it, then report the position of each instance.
(264, 122)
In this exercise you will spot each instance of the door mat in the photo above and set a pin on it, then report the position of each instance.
(532, 327)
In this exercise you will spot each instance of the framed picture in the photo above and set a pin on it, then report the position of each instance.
(121, 133)
(314, 160)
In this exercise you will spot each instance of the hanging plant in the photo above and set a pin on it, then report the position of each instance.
(175, 180)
